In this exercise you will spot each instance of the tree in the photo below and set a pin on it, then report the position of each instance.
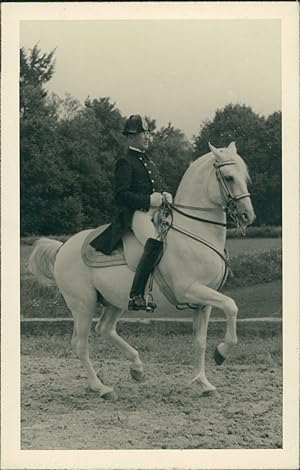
(67, 107)
(36, 70)
(90, 144)
(48, 191)
(267, 173)
(258, 140)
(108, 116)
(67, 153)
(172, 153)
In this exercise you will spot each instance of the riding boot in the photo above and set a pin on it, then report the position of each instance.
(152, 251)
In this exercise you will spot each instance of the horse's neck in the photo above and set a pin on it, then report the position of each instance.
(193, 195)
(197, 230)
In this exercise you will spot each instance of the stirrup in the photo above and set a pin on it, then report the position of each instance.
(150, 306)
(139, 303)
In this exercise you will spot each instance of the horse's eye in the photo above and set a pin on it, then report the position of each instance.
(229, 178)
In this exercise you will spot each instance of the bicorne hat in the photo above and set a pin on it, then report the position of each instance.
(135, 124)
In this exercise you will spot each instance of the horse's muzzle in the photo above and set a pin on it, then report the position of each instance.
(247, 218)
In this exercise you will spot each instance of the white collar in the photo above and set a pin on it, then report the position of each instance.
(136, 149)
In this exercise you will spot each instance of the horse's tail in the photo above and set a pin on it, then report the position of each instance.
(42, 259)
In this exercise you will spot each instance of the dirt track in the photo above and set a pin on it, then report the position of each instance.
(59, 412)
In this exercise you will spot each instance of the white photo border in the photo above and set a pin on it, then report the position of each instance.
(12, 455)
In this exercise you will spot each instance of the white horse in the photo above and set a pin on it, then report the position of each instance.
(193, 265)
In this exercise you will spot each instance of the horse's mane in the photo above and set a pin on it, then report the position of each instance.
(242, 166)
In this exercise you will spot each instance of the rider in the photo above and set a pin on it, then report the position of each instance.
(139, 190)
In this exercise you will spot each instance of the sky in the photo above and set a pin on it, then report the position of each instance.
(178, 71)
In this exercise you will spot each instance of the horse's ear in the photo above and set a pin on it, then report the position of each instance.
(232, 147)
(212, 148)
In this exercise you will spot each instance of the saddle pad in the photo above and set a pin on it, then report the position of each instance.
(96, 259)
(130, 254)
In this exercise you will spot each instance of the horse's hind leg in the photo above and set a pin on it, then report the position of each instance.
(106, 327)
(83, 312)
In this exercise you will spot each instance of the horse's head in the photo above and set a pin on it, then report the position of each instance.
(232, 177)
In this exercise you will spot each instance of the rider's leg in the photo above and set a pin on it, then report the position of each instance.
(142, 226)
(145, 232)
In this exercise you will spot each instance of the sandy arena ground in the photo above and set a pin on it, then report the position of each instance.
(59, 412)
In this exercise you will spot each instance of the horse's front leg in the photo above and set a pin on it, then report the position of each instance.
(203, 295)
(200, 324)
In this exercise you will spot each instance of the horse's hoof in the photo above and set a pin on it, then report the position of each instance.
(219, 359)
(137, 374)
(112, 396)
(208, 391)
(102, 390)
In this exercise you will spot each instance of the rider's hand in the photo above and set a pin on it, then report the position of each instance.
(168, 197)
(156, 199)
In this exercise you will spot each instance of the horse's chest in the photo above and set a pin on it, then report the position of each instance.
(182, 268)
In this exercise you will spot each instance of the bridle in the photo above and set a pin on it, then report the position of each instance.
(229, 198)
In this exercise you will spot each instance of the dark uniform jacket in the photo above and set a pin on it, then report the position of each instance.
(136, 178)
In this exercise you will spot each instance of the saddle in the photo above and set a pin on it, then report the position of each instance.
(127, 253)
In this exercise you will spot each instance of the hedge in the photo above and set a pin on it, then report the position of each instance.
(257, 268)
(262, 231)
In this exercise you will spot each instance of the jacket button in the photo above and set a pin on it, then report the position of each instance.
(152, 181)
(149, 171)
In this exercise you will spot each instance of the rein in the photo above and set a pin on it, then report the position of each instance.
(230, 208)
(205, 209)
(163, 213)
(166, 211)
(199, 239)
(224, 257)
(200, 219)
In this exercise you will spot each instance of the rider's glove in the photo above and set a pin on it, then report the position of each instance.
(168, 197)
(156, 200)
